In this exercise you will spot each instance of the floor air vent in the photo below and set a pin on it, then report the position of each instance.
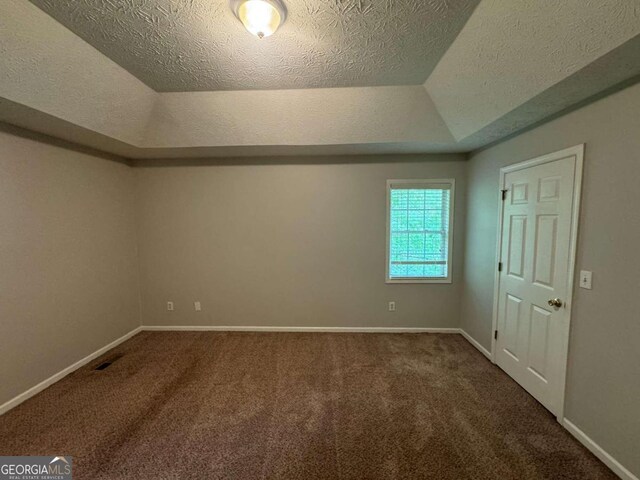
(107, 363)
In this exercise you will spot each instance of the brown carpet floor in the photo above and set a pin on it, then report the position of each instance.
(191, 405)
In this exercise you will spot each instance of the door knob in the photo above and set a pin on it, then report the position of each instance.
(555, 302)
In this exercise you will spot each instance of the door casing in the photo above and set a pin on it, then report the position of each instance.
(576, 151)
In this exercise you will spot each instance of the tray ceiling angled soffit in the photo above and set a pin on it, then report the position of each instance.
(183, 78)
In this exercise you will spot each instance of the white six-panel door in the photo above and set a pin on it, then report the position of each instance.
(536, 255)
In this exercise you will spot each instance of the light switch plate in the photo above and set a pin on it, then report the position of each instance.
(585, 279)
(197, 306)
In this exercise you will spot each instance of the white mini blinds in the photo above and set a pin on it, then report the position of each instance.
(419, 230)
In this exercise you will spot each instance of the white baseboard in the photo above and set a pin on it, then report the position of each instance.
(615, 466)
(14, 402)
(216, 328)
(476, 344)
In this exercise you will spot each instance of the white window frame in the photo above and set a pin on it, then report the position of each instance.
(451, 183)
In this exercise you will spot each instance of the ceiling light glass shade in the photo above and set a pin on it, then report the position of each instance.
(260, 17)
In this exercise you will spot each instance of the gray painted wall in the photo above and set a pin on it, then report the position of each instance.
(284, 245)
(603, 385)
(68, 280)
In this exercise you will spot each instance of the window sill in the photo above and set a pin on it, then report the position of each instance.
(418, 280)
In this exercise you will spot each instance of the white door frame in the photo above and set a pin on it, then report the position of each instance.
(578, 152)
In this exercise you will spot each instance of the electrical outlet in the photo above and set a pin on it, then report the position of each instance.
(392, 306)
(197, 306)
(170, 306)
(585, 279)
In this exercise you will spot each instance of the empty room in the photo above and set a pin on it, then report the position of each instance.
(319, 239)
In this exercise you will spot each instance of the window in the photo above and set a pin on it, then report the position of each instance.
(419, 230)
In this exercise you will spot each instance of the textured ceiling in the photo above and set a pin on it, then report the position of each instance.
(198, 45)
(511, 66)
(511, 51)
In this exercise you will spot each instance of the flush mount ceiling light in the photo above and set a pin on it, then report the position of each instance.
(261, 17)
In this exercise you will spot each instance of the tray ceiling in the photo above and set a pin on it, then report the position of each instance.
(511, 65)
(198, 45)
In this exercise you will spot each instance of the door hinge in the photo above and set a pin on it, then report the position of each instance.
(499, 266)
(504, 194)
(495, 334)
